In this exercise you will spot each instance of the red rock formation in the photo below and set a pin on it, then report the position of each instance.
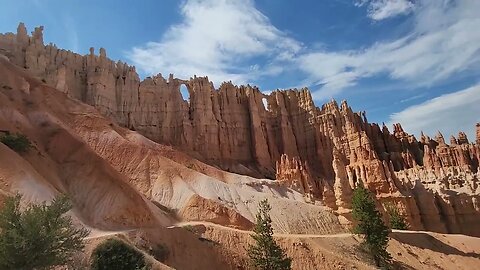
(231, 128)
(295, 174)
(201, 209)
(462, 138)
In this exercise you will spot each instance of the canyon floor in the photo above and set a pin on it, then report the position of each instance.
(226, 245)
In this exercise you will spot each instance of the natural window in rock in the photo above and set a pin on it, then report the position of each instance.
(185, 93)
(265, 103)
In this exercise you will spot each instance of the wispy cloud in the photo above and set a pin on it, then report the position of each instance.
(453, 112)
(383, 9)
(444, 42)
(217, 38)
(232, 40)
(412, 98)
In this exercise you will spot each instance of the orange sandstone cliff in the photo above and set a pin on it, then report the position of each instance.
(321, 152)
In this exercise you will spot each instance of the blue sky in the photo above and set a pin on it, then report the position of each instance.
(414, 62)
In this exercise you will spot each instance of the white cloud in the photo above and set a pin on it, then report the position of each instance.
(225, 38)
(449, 113)
(445, 41)
(217, 38)
(383, 9)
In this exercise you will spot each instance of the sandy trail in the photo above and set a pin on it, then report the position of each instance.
(99, 233)
(196, 223)
(95, 233)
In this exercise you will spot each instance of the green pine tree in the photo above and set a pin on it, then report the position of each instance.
(39, 237)
(397, 221)
(371, 226)
(266, 254)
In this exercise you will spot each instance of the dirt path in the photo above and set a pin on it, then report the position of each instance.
(195, 223)
(95, 233)
(98, 233)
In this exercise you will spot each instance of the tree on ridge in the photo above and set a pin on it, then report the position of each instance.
(266, 254)
(371, 226)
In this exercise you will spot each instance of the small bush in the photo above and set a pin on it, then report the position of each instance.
(160, 252)
(189, 228)
(115, 254)
(17, 142)
(397, 221)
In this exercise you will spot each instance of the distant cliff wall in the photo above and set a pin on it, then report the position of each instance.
(323, 152)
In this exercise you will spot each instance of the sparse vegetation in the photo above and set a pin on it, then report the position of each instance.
(17, 142)
(115, 254)
(371, 226)
(39, 237)
(209, 241)
(266, 254)
(78, 261)
(189, 228)
(160, 252)
(397, 221)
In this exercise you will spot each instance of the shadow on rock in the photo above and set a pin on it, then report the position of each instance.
(426, 241)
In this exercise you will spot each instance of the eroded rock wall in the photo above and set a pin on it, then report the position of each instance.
(328, 150)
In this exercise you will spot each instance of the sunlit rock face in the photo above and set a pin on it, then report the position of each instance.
(323, 152)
